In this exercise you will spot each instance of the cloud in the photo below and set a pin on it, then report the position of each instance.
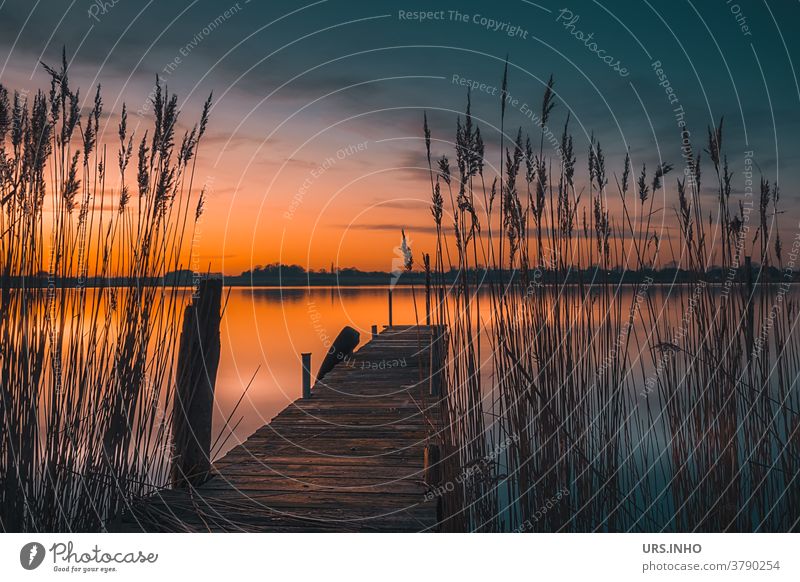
(411, 205)
(387, 227)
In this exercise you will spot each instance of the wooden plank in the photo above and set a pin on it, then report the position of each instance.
(349, 458)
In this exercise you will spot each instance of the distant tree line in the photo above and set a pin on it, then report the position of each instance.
(277, 274)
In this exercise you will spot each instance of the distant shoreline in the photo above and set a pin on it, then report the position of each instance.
(353, 278)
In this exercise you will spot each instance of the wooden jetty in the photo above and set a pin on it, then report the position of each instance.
(352, 457)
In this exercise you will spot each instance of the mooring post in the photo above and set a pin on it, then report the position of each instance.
(431, 465)
(374, 331)
(432, 474)
(390, 308)
(198, 360)
(306, 357)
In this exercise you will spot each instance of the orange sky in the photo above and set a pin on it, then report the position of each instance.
(341, 204)
(314, 152)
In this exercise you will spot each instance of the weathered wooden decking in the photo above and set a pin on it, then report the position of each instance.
(350, 458)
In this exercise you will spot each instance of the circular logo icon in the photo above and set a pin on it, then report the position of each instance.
(31, 555)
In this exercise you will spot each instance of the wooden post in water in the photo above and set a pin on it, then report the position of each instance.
(374, 331)
(306, 357)
(431, 464)
(198, 359)
(432, 474)
(390, 307)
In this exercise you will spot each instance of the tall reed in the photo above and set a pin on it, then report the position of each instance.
(89, 323)
(605, 405)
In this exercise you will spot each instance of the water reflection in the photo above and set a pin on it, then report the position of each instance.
(266, 329)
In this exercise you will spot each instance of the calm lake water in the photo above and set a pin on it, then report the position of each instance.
(264, 331)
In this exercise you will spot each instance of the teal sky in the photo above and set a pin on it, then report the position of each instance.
(295, 82)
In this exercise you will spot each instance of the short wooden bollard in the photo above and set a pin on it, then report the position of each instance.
(198, 359)
(306, 375)
(432, 468)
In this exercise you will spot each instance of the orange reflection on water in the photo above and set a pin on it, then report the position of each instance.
(266, 329)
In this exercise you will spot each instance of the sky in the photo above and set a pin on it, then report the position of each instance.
(314, 154)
